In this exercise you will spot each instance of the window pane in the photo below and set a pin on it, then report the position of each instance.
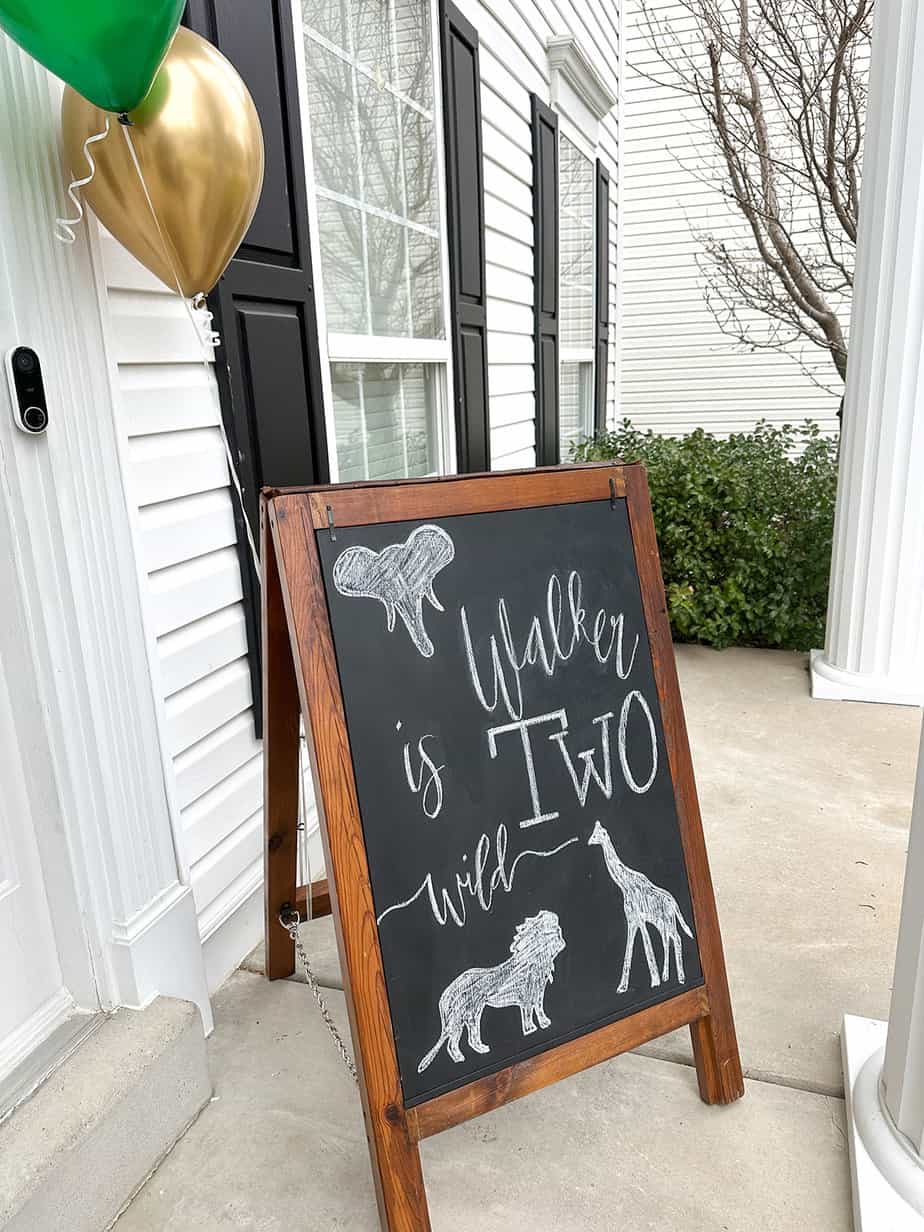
(575, 405)
(412, 45)
(328, 18)
(383, 184)
(576, 281)
(373, 143)
(420, 183)
(387, 262)
(426, 285)
(576, 241)
(341, 233)
(371, 35)
(385, 418)
(330, 97)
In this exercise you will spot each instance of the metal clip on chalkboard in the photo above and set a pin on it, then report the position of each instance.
(612, 492)
(330, 523)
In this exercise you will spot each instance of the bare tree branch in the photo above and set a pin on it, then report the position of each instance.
(781, 85)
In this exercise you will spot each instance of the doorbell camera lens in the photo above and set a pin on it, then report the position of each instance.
(35, 418)
(27, 390)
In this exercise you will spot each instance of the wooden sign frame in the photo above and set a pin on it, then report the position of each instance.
(300, 676)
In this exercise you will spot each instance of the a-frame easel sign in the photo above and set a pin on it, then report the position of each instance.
(514, 849)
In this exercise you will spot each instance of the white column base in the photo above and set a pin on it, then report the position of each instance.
(158, 954)
(831, 683)
(887, 1174)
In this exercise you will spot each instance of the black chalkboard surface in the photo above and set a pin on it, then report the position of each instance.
(516, 801)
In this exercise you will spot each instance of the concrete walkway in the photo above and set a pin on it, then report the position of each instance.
(806, 806)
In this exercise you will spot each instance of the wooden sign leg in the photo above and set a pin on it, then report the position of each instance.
(395, 1157)
(281, 763)
(715, 1043)
(390, 1129)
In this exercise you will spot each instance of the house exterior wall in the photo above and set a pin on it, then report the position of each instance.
(678, 370)
(178, 479)
(514, 63)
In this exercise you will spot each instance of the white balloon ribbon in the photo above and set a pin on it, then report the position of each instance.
(64, 227)
(207, 339)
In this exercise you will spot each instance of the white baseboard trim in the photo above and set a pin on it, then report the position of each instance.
(233, 925)
(829, 683)
(158, 954)
(882, 1166)
(35, 1030)
(233, 939)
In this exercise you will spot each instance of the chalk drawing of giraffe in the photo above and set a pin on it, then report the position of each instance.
(645, 904)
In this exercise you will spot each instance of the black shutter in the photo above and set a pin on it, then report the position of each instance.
(545, 279)
(465, 202)
(602, 285)
(268, 367)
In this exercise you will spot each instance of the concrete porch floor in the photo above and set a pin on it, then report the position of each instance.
(806, 806)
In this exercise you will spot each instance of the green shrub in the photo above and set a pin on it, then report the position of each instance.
(744, 529)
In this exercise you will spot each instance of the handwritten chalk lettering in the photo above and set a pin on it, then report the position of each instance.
(605, 783)
(631, 781)
(426, 781)
(522, 726)
(474, 884)
(644, 904)
(545, 644)
(520, 981)
(603, 777)
(401, 576)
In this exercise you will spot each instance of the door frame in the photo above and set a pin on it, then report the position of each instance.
(99, 791)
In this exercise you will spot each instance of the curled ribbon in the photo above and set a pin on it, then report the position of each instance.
(64, 227)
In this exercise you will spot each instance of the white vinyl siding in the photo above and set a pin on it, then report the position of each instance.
(177, 485)
(679, 371)
(514, 63)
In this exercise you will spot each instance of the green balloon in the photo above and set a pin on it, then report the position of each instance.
(108, 50)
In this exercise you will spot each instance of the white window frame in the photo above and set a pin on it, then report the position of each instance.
(569, 131)
(361, 348)
(581, 99)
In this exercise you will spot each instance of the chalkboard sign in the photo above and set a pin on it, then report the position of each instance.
(514, 848)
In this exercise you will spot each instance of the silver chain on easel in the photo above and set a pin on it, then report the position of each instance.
(290, 919)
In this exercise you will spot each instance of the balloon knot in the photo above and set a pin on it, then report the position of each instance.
(125, 119)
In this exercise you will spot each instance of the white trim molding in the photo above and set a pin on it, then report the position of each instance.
(109, 860)
(888, 1180)
(831, 683)
(577, 90)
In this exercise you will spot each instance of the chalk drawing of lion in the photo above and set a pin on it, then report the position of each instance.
(521, 980)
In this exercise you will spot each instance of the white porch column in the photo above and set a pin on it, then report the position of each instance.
(884, 1069)
(874, 647)
(903, 1068)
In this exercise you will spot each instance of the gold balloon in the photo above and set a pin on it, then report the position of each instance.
(198, 141)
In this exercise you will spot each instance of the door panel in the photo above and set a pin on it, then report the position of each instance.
(34, 999)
